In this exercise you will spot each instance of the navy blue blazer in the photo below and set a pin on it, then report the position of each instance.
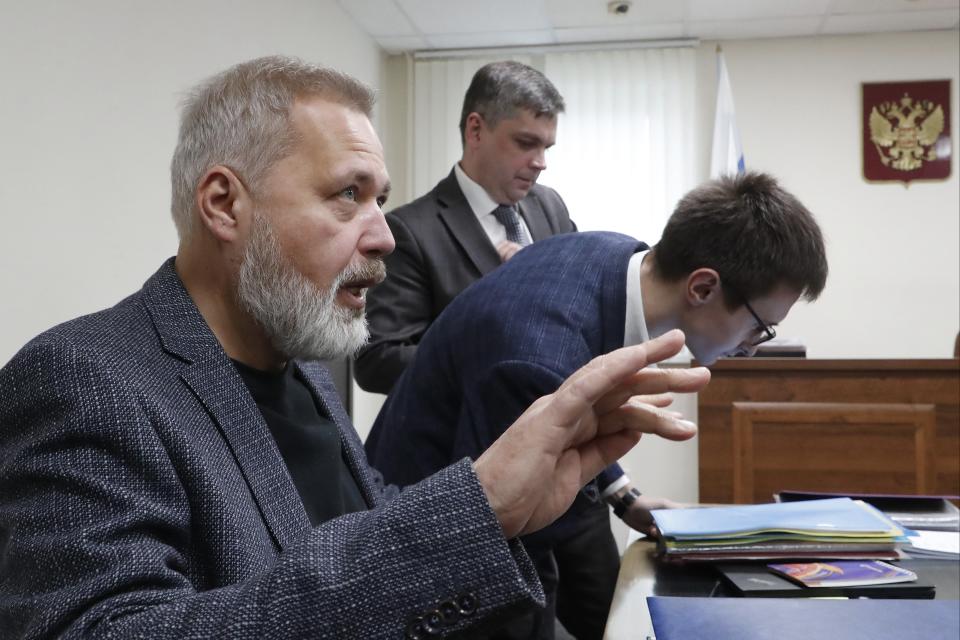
(142, 495)
(508, 339)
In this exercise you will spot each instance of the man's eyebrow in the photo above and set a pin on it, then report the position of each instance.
(527, 136)
(363, 177)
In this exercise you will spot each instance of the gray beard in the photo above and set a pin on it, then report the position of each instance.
(301, 320)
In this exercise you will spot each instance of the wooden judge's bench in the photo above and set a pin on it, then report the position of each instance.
(861, 426)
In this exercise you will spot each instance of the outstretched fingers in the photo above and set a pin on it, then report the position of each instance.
(655, 382)
(645, 418)
(589, 385)
(619, 430)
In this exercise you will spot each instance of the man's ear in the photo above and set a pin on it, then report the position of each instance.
(473, 126)
(703, 286)
(223, 203)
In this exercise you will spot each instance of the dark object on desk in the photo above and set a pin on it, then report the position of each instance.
(802, 619)
(934, 513)
(781, 348)
(757, 581)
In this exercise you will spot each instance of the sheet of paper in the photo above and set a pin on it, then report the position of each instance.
(943, 541)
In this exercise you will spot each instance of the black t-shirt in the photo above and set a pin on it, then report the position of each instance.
(308, 440)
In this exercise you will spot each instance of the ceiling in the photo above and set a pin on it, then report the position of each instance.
(421, 25)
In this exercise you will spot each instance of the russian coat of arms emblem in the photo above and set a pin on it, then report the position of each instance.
(906, 131)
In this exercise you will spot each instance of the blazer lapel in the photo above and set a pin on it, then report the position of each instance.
(535, 217)
(214, 380)
(458, 217)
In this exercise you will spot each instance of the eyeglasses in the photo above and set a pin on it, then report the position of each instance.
(767, 332)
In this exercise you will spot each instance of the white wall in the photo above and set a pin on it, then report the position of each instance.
(88, 120)
(894, 252)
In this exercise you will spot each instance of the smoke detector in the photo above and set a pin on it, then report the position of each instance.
(619, 7)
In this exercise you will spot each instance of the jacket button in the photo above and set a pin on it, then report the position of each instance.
(432, 622)
(449, 613)
(415, 630)
(467, 604)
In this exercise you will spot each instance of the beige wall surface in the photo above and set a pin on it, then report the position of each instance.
(88, 122)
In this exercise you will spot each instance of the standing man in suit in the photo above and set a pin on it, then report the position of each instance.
(180, 466)
(734, 257)
(473, 220)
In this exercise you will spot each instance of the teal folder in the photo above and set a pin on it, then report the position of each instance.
(801, 619)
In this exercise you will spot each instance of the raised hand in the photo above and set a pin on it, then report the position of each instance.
(532, 473)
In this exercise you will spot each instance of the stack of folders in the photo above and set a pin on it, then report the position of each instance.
(837, 528)
(930, 513)
(932, 523)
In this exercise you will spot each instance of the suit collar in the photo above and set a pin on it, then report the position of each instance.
(183, 331)
(458, 217)
(214, 380)
(535, 217)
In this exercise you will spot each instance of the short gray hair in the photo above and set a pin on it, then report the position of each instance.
(240, 118)
(498, 89)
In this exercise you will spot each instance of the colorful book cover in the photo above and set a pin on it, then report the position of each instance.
(843, 573)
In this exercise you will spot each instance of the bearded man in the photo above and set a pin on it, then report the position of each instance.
(179, 466)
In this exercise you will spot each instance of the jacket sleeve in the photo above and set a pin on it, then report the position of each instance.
(98, 536)
(500, 396)
(398, 312)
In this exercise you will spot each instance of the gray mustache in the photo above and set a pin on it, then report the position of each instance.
(374, 269)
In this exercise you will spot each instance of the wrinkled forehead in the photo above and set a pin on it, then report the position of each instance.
(334, 134)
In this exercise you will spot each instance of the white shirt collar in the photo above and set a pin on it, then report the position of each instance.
(635, 324)
(477, 197)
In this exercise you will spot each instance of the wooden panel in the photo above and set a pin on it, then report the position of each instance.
(935, 382)
(862, 448)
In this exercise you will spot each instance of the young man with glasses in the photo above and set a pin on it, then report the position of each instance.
(734, 257)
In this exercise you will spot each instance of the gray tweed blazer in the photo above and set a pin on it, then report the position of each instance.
(142, 496)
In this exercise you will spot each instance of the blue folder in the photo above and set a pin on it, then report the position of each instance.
(835, 516)
(801, 619)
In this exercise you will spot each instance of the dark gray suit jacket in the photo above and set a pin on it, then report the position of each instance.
(142, 495)
(441, 250)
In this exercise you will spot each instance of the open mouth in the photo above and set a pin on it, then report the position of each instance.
(353, 293)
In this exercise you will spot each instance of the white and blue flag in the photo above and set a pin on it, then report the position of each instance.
(727, 155)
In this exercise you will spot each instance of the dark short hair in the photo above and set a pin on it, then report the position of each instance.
(498, 89)
(751, 231)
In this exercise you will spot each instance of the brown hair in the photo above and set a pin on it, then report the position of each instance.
(751, 231)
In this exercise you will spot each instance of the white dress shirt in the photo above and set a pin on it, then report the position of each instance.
(483, 205)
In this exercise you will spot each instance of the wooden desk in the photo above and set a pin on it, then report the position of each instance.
(641, 576)
(868, 426)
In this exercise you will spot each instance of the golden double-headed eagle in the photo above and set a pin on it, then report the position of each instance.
(905, 133)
